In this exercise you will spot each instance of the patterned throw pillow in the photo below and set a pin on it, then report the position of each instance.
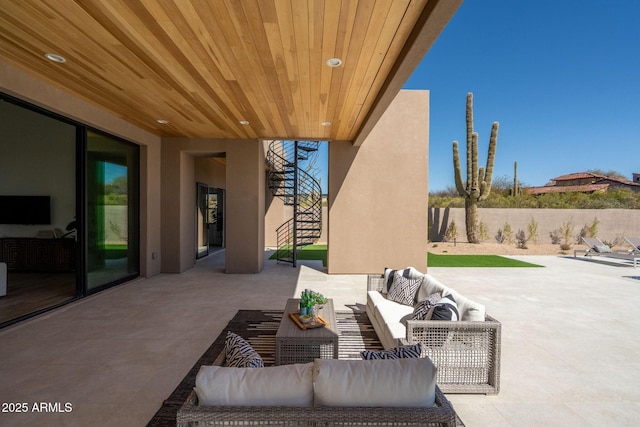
(240, 354)
(403, 290)
(402, 352)
(445, 309)
(388, 275)
(421, 310)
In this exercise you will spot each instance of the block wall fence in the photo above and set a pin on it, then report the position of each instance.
(613, 223)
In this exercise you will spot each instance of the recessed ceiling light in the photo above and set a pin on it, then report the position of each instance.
(244, 122)
(163, 121)
(55, 58)
(326, 123)
(334, 62)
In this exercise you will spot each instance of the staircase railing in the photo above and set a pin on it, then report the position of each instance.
(298, 189)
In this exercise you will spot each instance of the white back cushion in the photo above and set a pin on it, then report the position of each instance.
(369, 383)
(431, 285)
(469, 310)
(286, 385)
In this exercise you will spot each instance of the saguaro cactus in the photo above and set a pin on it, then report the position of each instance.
(516, 187)
(478, 185)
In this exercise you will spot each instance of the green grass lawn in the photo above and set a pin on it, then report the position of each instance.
(115, 251)
(311, 252)
(319, 252)
(440, 260)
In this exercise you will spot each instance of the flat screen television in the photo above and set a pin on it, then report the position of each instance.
(25, 210)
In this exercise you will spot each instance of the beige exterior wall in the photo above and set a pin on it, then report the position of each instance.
(24, 86)
(378, 192)
(211, 172)
(244, 182)
(613, 223)
(276, 214)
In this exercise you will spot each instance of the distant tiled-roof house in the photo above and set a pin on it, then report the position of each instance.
(583, 182)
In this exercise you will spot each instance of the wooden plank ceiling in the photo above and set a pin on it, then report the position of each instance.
(205, 65)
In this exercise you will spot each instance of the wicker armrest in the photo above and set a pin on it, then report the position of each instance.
(417, 327)
(375, 282)
(467, 354)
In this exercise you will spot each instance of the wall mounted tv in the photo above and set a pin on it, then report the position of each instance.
(25, 210)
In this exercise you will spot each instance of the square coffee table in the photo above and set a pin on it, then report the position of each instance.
(296, 345)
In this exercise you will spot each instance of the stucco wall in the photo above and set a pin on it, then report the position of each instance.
(244, 183)
(378, 192)
(211, 172)
(612, 222)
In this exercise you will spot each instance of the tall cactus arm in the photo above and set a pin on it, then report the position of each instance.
(456, 169)
(474, 160)
(470, 150)
(493, 140)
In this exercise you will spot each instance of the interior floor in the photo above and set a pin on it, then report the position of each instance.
(29, 292)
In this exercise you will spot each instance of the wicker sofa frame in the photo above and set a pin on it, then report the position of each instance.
(190, 414)
(467, 354)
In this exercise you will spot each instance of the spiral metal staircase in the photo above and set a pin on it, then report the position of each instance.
(298, 189)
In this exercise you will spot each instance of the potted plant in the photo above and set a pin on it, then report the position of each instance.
(309, 302)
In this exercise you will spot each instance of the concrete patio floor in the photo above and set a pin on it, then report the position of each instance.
(569, 341)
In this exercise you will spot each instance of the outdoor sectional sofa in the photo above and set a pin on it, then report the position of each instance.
(466, 352)
(323, 392)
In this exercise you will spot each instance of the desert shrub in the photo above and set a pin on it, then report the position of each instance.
(483, 231)
(589, 230)
(592, 229)
(583, 233)
(451, 234)
(555, 236)
(500, 237)
(566, 231)
(613, 199)
(617, 241)
(521, 240)
(508, 233)
(532, 228)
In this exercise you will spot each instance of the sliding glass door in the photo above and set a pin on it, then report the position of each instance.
(112, 211)
(38, 244)
(84, 234)
(202, 220)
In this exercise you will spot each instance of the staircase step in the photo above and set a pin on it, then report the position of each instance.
(307, 148)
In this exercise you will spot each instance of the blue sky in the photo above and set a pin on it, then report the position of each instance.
(562, 78)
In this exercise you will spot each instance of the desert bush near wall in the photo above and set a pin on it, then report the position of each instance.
(617, 199)
(557, 226)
